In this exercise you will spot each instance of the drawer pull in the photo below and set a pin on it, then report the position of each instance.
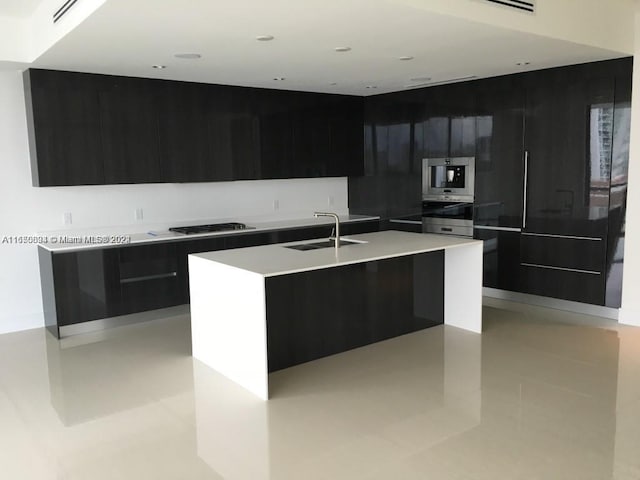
(549, 267)
(149, 277)
(568, 237)
(497, 229)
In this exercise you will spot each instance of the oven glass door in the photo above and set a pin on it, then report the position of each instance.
(448, 176)
(448, 210)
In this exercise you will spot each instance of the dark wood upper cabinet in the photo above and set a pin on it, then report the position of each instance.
(184, 134)
(276, 134)
(346, 137)
(63, 113)
(129, 127)
(96, 129)
(448, 121)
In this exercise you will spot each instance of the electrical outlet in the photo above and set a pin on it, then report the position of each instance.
(276, 204)
(330, 200)
(139, 215)
(67, 218)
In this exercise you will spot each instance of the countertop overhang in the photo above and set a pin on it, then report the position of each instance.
(276, 259)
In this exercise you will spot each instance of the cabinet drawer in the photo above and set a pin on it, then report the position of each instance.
(586, 255)
(137, 263)
(150, 278)
(563, 284)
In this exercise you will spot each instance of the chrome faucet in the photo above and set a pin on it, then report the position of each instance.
(337, 227)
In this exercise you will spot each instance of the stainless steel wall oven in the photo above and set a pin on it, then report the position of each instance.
(447, 195)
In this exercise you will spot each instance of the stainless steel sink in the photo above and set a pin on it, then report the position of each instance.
(316, 245)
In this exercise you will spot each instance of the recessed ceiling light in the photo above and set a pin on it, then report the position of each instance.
(342, 49)
(420, 79)
(188, 56)
(279, 79)
(523, 64)
(159, 67)
(406, 57)
(265, 38)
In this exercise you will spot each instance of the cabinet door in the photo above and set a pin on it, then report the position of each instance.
(185, 153)
(449, 126)
(568, 137)
(64, 128)
(499, 155)
(501, 260)
(86, 285)
(346, 138)
(276, 132)
(311, 155)
(130, 137)
(243, 124)
(435, 124)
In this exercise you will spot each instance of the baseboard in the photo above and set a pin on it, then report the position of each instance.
(566, 305)
(629, 317)
(123, 320)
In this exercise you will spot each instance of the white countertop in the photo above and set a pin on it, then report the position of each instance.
(276, 259)
(70, 241)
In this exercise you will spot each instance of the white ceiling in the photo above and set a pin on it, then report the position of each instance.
(127, 37)
(18, 8)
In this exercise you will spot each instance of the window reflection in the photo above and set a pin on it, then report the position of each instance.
(600, 143)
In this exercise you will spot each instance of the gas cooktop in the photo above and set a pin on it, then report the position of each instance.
(213, 227)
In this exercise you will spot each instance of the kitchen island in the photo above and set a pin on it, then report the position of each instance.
(260, 309)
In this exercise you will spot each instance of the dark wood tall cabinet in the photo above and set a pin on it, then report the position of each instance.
(551, 149)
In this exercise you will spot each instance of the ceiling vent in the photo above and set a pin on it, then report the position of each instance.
(521, 5)
(62, 11)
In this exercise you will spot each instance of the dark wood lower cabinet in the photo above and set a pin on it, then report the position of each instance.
(79, 286)
(563, 284)
(150, 277)
(567, 268)
(559, 267)
(322, 312)
(501, 261)
(100, 283)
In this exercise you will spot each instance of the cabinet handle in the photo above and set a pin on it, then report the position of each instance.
(526, 183)
(149, 277)
(567, 237)
(497, 229)
(564, 269)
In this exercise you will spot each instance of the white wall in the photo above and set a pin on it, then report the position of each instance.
(25, 210)
(630, 311)
(13, 48)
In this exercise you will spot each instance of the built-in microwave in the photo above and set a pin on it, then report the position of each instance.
(448, 178)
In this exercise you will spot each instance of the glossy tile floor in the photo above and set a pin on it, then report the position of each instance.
(540, 395)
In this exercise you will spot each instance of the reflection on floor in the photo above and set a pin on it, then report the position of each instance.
(542, 394)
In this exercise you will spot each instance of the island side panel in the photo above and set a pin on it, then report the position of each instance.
(228, 330)
(315, 314)
(463, 287)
